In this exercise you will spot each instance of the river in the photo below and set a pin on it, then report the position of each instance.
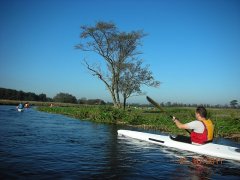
(38, 145)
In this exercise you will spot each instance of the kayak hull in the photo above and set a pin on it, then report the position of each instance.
(20, 110)
(209, 149)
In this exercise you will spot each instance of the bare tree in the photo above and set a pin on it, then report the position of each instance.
(133, 77)
(234, 103)
(117, 50)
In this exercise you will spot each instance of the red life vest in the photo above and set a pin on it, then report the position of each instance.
(200, 138)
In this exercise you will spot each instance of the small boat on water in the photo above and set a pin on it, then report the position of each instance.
(209, 149)
(20, 109)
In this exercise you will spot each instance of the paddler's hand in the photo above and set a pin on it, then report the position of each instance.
(174, 118)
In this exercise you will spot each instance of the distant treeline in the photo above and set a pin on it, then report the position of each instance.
(11, 94)
(169, 104)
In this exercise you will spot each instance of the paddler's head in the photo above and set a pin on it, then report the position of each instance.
(201, 113)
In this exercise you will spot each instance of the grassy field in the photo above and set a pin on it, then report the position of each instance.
(226, 121)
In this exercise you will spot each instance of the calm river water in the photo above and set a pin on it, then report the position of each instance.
(37, 145)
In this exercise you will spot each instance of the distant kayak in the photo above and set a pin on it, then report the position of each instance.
(209, 149)
(20, 110)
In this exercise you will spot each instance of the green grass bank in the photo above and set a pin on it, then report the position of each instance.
(226, 121)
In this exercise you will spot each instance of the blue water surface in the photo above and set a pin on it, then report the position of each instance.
(37, 145)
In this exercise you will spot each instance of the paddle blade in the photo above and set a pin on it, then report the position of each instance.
(155, 103)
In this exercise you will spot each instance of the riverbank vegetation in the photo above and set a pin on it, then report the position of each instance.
(226, 121)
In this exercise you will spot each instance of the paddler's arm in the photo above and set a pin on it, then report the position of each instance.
(179, 124)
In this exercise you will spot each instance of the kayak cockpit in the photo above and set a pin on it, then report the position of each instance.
(237, 150)
(185, 139)
(181, 138)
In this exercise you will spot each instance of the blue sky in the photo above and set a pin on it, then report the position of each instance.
(192, 47)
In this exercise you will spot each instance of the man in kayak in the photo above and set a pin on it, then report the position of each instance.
(20, 106)
(27, 105)
(202, 128)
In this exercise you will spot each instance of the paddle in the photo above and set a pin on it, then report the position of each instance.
(161, 109)
(157, 105)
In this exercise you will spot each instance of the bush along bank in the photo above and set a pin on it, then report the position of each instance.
(101, 114)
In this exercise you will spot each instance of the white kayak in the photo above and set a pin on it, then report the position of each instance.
(209, 149)
(20, 110)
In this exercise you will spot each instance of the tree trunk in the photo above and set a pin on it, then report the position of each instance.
(124, 102)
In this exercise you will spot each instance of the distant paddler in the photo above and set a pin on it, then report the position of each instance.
(20, 107)
(27, 105)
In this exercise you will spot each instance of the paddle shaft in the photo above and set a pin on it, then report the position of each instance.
(161, 109)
